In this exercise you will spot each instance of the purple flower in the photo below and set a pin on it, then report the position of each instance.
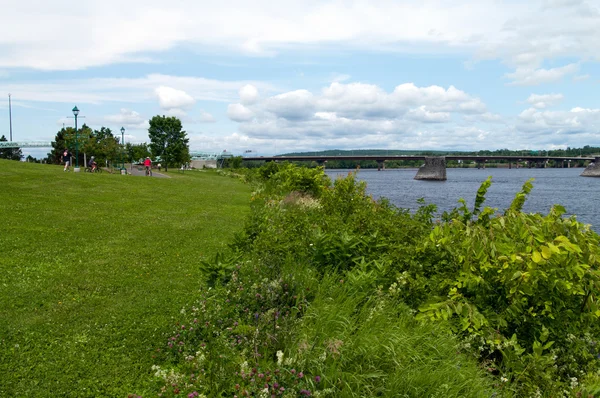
(318, 379)
(305, 392)
(293, 371)
(300, 375)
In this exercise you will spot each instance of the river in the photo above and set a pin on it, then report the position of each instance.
(550, 186)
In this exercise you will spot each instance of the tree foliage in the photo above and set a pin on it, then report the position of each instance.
(168, 140)
(137, 152)
(101, 144)
(10, 153)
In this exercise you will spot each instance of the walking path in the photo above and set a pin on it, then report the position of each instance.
(139, 171)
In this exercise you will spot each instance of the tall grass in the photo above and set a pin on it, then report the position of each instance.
(94, 270)
(364, 344)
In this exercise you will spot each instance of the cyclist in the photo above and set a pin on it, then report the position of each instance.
(148, 165)
(92, 164)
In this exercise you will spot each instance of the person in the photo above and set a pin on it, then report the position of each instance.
(92, 164)
(66, 159)
(148, 164)
(158, 165)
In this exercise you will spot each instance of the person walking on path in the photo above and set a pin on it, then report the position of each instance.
(66, 159)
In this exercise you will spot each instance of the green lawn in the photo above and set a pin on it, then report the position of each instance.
(94, 269)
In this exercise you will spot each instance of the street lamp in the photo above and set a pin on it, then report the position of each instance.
(75, 113)
(123, 145)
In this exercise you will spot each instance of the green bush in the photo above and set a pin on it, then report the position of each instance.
(327, 283)
(522, 288)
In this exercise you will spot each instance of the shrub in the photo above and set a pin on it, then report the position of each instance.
(522, 288)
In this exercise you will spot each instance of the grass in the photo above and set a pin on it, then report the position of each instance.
(94, 269)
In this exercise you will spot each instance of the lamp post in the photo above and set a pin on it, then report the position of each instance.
(123, 146)
(10, 116)
(75, 113)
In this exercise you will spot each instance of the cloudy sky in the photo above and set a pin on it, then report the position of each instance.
(274, 77)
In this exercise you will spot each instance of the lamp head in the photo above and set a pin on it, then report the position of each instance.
(122, 130)
(75, 111)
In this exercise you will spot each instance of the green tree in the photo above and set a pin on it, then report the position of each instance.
(168, 140)
(101, 144)
(10, 153)
(58, 146)
(136, 152)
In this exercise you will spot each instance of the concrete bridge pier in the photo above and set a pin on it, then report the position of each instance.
(481, 164)
(380, 165)
(593, 169)
(434, 169)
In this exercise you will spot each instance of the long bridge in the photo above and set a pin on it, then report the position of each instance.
(435, 166)
(25, 144)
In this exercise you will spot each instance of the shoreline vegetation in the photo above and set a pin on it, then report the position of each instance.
(314, 289)
(329, 293)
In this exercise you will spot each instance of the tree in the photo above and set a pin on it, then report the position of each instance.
(168, 140)
(58, 146)
(10, 153)
(102, 144)
(136, 152)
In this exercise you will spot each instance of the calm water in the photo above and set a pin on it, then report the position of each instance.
(579, 195)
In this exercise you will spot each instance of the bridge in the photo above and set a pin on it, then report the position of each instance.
(435, 166)
(210, 155)
(25, 144)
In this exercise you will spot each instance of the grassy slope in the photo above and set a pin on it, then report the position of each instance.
(94, 269)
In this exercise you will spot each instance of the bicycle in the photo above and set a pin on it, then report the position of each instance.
(148, 171)
(96, 170)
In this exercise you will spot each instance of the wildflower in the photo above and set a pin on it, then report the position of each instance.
(317, 379)
(279, 357)
(503, 379)
(293, 371)
(305, 392)
(300, 375)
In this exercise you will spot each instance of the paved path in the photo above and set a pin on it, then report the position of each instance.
(139, 171)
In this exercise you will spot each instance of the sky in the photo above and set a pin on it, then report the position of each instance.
(266, 77)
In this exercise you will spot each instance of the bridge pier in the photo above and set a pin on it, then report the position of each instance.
(434, 169)
(380, 164)
(593, 169)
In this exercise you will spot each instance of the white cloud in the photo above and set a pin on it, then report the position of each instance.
(577, 121)
(360, 114)
(580, 78)
(297, 104)
(171, 98)
(239, 113)
(533, 77)
(421, 114)
(134, 90)
(128, 118)
(178, 113)
(544, 100)
(486, 117)
(522, 34)
(248, 94)
(206, 117)
(140, 29)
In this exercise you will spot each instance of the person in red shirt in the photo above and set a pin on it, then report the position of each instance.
(148, 164)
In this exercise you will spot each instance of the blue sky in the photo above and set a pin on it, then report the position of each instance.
(273, 77)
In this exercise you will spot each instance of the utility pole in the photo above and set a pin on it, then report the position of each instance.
(10, 115)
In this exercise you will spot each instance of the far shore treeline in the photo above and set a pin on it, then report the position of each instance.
(586, 151)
